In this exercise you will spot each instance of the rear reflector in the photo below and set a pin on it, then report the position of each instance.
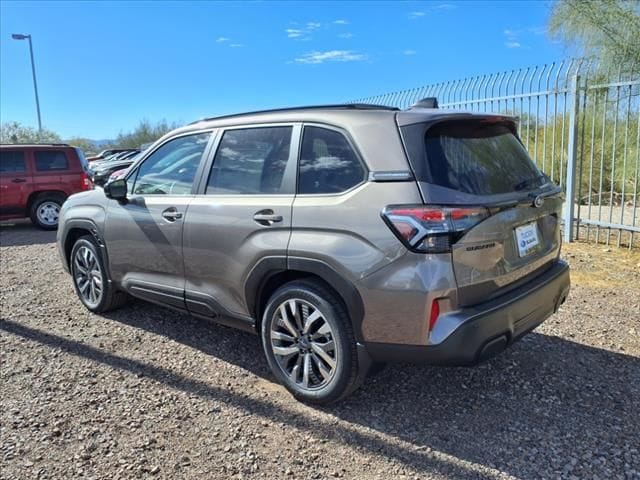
(435, 312)
(431, 229)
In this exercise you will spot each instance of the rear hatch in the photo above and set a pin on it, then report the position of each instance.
(501, 211)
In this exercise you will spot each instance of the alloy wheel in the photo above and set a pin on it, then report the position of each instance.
(88, 275)
(302, 342)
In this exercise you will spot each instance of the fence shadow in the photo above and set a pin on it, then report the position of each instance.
(544, 395)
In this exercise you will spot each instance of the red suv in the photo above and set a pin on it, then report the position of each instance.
(36, 179)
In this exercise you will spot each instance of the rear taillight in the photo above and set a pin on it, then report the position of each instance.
(85, 182)
(431, 229)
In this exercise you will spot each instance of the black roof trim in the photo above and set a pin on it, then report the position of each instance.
(340, 106)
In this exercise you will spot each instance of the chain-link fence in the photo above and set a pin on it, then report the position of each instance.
(580, 125)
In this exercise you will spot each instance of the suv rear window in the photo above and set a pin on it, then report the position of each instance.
(51, 160)
(83, 159)
(475, 157)
(12, 161)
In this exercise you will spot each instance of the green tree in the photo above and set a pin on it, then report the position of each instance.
(145, 132)
(15, 132)
(606, 29)
(86, 145)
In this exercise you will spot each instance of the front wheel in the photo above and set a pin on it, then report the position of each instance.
(90, 278)
(309, 343)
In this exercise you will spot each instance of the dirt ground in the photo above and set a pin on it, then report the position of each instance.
(144, 392)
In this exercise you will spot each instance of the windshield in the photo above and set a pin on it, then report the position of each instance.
(479, 158)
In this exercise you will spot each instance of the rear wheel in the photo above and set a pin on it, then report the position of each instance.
(90, 278)
(45, 211)
(309, 343)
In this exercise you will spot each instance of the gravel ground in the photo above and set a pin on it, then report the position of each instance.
(144, 392)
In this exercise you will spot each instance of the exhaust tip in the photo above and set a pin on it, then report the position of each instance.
(493, 347)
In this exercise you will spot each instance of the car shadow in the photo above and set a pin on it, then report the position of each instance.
(543, 395)
(512, 414)
(16, 233)
(211, 338)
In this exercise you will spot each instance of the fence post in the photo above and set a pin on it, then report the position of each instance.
(572, 157)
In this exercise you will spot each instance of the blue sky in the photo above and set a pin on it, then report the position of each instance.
(103, 66)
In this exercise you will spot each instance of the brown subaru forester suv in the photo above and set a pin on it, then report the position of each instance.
(345, 236)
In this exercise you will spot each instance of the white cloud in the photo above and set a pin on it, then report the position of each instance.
(302, 33)
(294, 32)
(346, 35)
(409, 52)
(442, 7)
(513, 38)
(225, 40)
(331, 56)
(323, 164)
(414, 15)
(341, 21)
(537, 30)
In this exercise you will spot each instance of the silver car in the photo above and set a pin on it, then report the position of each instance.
(346, 236)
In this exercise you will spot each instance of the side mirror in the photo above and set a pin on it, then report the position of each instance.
(116, 189)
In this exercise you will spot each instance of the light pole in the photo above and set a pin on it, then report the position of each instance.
(19, 36)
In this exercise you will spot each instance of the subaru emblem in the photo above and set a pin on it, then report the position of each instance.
(538, 201)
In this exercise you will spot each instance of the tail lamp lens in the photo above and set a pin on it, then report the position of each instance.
(430, 229)
(85, 182)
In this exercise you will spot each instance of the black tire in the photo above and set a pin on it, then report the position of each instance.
(46, 203)
(344, 378)
(109, 298)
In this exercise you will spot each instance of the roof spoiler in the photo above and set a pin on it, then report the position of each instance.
(428, 102)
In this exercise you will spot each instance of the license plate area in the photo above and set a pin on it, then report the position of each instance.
(527, 239)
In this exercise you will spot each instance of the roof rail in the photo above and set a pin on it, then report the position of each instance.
(339, 106)
(32, 144)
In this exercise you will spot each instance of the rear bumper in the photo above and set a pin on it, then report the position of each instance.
(486, 329)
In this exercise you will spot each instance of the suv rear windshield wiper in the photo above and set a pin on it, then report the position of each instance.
(530, 182)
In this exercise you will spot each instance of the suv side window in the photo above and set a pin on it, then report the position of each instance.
(51, 160)
(328, 164)
(170, 169)
(251, 161)
(12, 161)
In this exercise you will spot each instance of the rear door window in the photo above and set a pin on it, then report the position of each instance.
(251, 161)
(328, 164)
(51, 160)
(475, 157)
(12, 162)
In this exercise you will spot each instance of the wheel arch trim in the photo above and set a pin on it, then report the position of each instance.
(89, 226)
(268, 267)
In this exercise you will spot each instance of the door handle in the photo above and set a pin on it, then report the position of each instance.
(171, 214)
(267, 217)
(19, 180)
